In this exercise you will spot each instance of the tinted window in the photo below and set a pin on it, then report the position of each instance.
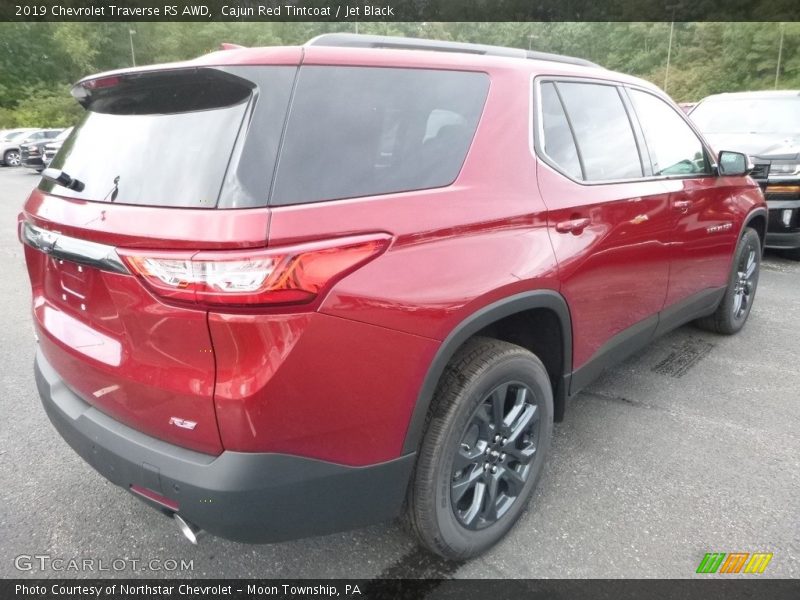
(149, 142)
(602, 130)
(673, 146)
(559, 145)
(356, 131)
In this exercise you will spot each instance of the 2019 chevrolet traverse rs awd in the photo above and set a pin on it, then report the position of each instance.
(316, 287)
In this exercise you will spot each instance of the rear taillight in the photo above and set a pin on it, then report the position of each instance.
(247, 278)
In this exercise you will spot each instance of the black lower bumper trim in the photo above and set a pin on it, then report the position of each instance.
(246, 497)
(780, 234)
(783, 240)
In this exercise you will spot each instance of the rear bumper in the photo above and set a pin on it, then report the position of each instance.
(248, 497)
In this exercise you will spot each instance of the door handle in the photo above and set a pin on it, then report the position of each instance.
(682, 205)
(573, 226)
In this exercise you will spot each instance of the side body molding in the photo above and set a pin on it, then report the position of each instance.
(478, 320)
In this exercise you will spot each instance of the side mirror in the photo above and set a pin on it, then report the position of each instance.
(734, 163)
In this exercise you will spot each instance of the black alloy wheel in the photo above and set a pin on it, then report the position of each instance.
(493, 461)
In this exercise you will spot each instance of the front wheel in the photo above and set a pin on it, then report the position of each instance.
(733, 310)
(486, 440)
(11, 158)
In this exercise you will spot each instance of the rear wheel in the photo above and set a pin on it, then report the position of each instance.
(484, 447)
(11, 158)
(733, 310)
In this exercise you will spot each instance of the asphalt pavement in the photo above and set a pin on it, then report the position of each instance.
(692, 446)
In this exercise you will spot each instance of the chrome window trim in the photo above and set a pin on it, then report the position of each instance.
(536, 130)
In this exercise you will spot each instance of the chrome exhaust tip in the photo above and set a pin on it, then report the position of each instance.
(189, 530)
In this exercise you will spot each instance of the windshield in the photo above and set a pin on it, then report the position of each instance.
(63, 135)
(748, 115)
(13, 135)
(158, 140)
(161, 160)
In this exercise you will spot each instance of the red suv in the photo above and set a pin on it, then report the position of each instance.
(286, 291)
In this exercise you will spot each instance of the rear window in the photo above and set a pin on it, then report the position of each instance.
(360, 131)
(161, 139)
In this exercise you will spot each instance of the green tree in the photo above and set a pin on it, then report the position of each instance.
(39, 61)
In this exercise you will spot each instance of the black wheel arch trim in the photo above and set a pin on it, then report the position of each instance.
(758, 211)
(475, 322)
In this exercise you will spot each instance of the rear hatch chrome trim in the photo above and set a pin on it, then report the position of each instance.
(72, 249)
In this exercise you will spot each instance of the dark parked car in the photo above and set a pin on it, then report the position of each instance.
(314, 287)
(52, 148)
(31, 152)
(765, 125)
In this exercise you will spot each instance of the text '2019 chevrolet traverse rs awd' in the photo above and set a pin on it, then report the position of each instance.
(315, 287)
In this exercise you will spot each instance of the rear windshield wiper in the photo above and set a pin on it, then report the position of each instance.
(114, 190)
(61, 178)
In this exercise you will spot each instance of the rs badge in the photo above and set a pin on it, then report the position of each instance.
(182, 423)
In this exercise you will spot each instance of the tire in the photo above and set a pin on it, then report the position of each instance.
(734, 308)
(11, 158)
(448, 504)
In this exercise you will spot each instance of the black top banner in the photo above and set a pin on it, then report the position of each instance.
(399, 10)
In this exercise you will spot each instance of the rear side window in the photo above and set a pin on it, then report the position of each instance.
(559, 144)
(362, 131)
(674, 148)
(602, 129)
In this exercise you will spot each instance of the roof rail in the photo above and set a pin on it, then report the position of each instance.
(352, 40)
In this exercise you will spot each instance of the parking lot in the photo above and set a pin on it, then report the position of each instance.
(692, 446)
